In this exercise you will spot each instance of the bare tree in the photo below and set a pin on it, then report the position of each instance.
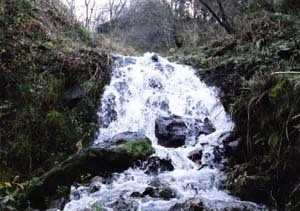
(90, 6)
(115, 8)
(71, 6)
(143, 24)
(221, 18)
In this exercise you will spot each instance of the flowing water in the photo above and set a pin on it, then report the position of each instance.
(141, 90)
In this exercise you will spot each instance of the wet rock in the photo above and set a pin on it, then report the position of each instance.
(97, 179)
(154, 58)
(206, 128)
(155, 165)
(150, 191)
(171, 131)
(136, 195)
(95, 184)
(218, 152)
(167, 193)
(190, 205)
(196, 156)
(76, 193)
(127, 137)
(125, 205)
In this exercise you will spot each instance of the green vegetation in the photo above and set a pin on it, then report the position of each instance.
(138, 148)
(52, 74)
(258, 73)
(84, 34)
(44, 58)
(97, 207)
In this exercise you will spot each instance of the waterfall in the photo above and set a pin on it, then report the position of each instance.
(141, 90)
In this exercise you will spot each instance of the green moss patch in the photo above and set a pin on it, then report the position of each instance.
(138, 148)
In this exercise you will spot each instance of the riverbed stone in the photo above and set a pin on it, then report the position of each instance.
(95, 184)
(165, 193)
(196, 156)
(156, 165)
(190, 205)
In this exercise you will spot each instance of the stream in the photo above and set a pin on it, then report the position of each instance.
(143, 89)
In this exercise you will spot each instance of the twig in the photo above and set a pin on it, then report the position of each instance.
(295, 117)
(289, 72)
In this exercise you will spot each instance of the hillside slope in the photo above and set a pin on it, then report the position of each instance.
(51, 77)
(258, 74)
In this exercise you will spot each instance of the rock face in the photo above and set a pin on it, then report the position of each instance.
(126, 150)
(172, 131)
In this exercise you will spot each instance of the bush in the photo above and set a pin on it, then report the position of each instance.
(84, 34)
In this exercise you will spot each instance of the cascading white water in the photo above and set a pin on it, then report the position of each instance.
(141, 90)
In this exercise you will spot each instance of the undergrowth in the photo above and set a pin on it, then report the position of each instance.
(257, 72)
(42, 58)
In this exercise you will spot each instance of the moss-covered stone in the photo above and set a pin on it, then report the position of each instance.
(141, 147)
(93, 161)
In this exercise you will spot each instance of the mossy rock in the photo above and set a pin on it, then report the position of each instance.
(92, 161)
(141, 147)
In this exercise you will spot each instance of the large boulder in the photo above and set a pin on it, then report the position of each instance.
(119, 156)
(173, 131)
